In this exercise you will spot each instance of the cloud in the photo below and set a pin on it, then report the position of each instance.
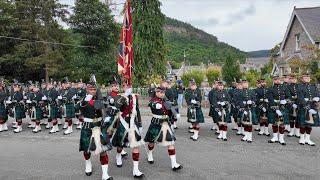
(205, 22)
(240, 15)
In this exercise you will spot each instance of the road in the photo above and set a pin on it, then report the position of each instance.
(43, 156)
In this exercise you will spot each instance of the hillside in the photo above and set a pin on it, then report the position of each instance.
(257, 54)
(199, 45)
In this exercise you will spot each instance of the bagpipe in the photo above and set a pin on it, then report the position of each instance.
(221, 110)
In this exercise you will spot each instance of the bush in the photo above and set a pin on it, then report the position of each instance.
(252, 76)
(213, 74)
(198, 76)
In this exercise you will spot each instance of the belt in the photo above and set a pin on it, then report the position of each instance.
(92, 120)
(160, 116)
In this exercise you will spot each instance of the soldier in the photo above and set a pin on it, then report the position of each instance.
(37, 107)
(18, 105)
(286, 84)
(172, 96)
(3, 108)
(94, 137)
(160, 130)
(278, 113)
(195, 115)
(293, 107)
(262, 107)
(81, 93)
(69, 94)
(112, 115)
(309, 107)
(246, 101)
(220, 101)
(128, 129)
(28, 96)
(53, 107)
(212, 109)
(232, 92)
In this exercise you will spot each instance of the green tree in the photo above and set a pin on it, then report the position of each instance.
(230, 70)
(213, 74)
(197, 75)
(252, 76)
(149, 48)
(93, 26)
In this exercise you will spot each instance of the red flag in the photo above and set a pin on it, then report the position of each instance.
(125, 56)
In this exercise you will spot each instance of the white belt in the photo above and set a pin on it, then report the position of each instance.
(91, 120)
(160, 116)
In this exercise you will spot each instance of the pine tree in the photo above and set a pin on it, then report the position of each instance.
(230, 70)
(149, 48)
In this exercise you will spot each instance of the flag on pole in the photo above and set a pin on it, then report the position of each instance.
(125, 56)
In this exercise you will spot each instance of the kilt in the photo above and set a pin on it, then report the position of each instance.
(272, 116)
(199, 118)
(87, 142)
(126, 138)
(303, 120)
(218, 118)
(19, 112)
(38, 113)
(54, 112)
(160, 131)
(69, 110)
(3, 113)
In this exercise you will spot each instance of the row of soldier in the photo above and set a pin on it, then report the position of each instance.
(286, 106)
(106, 122)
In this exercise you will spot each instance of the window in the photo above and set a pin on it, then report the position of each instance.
(297, 42)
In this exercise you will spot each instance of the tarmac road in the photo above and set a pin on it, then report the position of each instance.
(44, 156)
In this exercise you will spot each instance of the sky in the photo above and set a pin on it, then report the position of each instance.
(248, 25)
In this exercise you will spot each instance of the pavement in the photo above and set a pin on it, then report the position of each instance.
(45, 156)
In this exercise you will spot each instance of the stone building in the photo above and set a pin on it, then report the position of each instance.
(303, 34)
(254, 64)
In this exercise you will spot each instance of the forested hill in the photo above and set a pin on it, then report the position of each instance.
(261, 53)
(199, 45)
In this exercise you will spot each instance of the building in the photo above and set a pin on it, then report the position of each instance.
(303, 34)
(254, 64)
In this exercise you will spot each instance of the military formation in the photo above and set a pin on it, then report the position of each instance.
(114, 121)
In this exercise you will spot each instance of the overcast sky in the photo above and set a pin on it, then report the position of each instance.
(246, 24)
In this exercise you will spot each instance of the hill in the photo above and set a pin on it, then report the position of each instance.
(261, 53)
(199, 45)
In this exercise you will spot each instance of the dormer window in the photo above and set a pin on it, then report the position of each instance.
(297, 42)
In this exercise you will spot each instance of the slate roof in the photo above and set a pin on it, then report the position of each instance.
(310, 18)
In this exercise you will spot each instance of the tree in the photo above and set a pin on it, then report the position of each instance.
(252, 76)
(230, 70)
(94, 26)
(213, 74)
(148, 43)
(197, 75)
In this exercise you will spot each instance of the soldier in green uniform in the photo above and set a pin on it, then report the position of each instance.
(69, 94)
(81, 93)
(195, 115)
(278, 114)
(3, 109)
(246, 102)
(232, 92)
(29, 95)
(94, 138)
(54, 109)
(18, 105)
(160, 130)
(309, 107)
(293, 106)
(236, 110)
(286, 84)
(262, 107)
(172, 96)
(37, 107)
(220, 101)
(212, 109)
(129, 128)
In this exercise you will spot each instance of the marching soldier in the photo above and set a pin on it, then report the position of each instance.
(286, 84)
(231, 92)
(293, 107)
(81, 93)
(195, 115)
(246, 102)
(262, 107)
(94, 138)
(28, 96)
(3, 108)
(212, 109)
(172, 95)
(160, 130)
(128, 129)
(37, 107)
(309, 107)
(69, 94)
(278, 114)
(18, 105)
(220, 101)
(236, 110)
(53, 101)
